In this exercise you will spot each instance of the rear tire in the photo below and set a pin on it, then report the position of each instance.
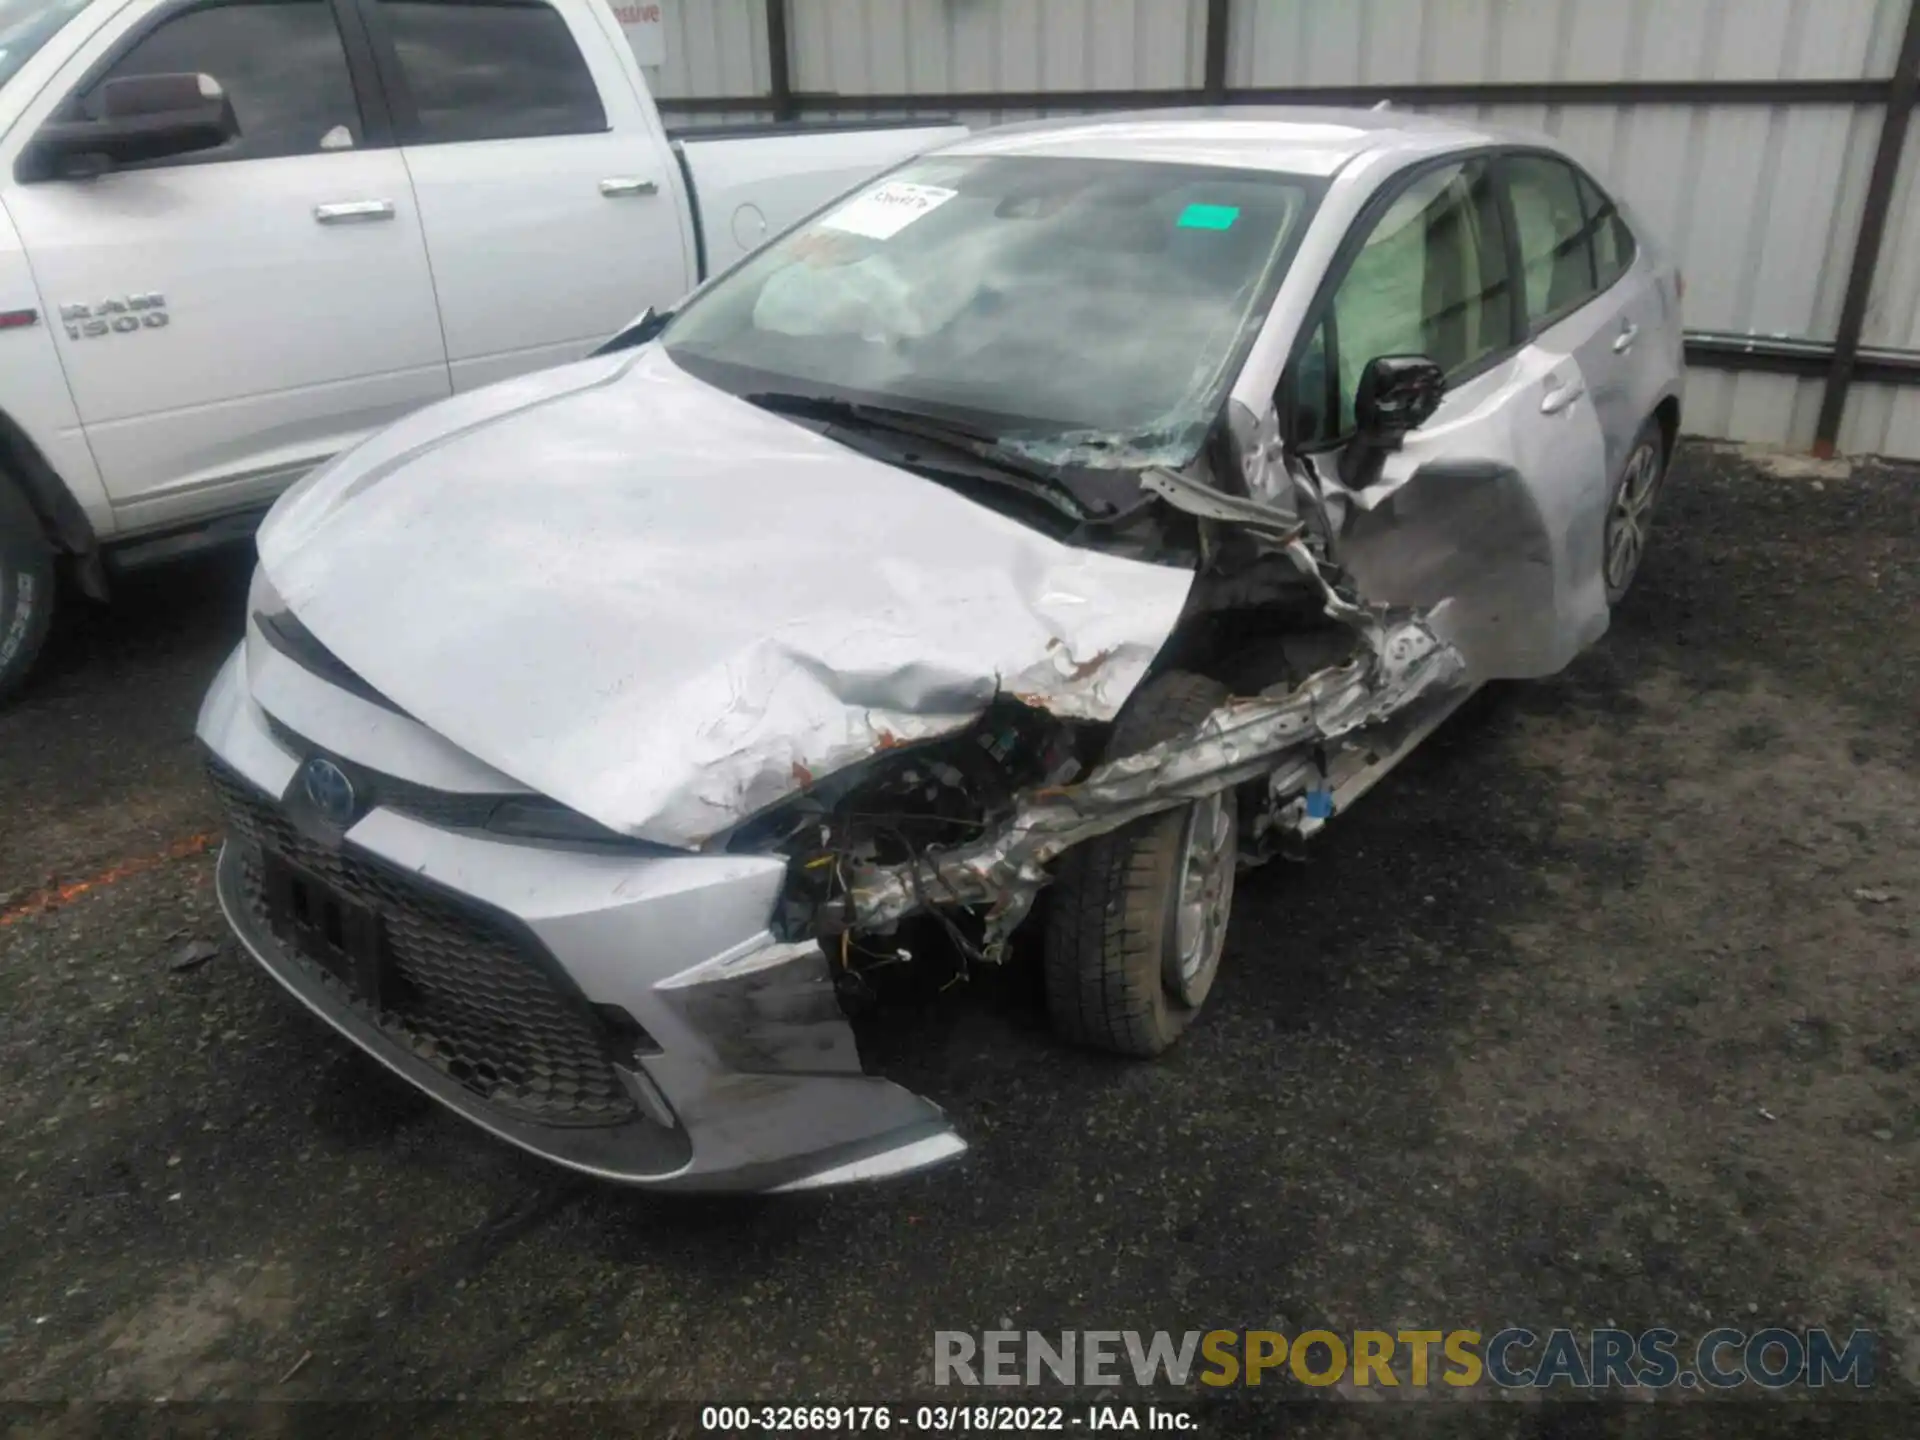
(1630, 510)
(1137, 917)
(26, 588)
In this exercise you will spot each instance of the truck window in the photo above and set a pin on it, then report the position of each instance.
(491, 71)
(26, 25)
(282, 64)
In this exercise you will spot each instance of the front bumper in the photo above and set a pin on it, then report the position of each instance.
(625, 1016)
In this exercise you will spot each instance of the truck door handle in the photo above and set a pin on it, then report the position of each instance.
(351, 212)
(1623, 342)
(620, 185)
(1561, 396)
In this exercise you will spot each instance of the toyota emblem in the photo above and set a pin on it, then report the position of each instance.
(328, 789)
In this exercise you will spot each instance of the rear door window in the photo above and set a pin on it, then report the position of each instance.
(476, 70)
(1556, 256)
(1613, 247)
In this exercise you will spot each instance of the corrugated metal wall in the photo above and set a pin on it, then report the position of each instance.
(1880, 418)
(1381, 42)
(1761, 202)
(899, 47)
(715, 47)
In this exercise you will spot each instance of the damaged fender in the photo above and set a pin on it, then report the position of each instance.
(1403, 659)
(671, 647)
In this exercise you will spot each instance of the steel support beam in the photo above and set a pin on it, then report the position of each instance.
(779, 62)
(1873, 228)
(1219, 15)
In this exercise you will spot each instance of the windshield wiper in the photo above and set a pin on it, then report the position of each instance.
(1031, 477)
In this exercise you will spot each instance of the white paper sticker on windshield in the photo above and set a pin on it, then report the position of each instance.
(886, 210)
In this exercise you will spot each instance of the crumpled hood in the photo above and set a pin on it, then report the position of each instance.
(668, 609)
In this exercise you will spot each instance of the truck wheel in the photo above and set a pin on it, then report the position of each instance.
(26, 587)
(1138, 917)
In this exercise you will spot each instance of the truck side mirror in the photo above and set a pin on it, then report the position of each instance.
(1397, 393)
(128, 120)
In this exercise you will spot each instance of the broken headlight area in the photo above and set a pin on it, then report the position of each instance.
(1291, 748)
(1323, 689)
(906, 803)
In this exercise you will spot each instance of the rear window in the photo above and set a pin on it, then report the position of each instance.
(1613, 247)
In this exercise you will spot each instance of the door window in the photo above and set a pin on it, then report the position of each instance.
(491, 71)
(1613, 247)
(1555, 253)
(1429, 279)
(281, 63)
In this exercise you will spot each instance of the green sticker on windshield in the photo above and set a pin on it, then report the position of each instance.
(1208, 217)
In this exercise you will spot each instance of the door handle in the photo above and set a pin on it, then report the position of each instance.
(1561, 396)
(621, 185)
(1623, 342)
(351, 212)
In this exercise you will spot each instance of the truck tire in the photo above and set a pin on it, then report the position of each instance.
(1137, 917)
(26, 588)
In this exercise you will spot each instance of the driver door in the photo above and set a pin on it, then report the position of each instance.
(1483, 510)
(280, 280)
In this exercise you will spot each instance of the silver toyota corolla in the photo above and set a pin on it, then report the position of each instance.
(1091, 507)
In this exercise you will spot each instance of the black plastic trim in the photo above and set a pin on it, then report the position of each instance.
(1553, 92)
(693, 211)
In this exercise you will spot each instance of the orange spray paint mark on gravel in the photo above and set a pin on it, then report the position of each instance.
(55, 896)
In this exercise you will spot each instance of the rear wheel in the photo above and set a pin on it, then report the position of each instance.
(1630, 510)
(26, 587)
(1138, 918)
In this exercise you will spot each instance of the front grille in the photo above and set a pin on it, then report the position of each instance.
(446, 809)
(466, 994)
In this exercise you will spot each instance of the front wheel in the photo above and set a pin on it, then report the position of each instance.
(1139, 917)
(26, 588)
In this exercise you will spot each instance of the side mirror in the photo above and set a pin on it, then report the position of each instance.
(129, 120)
(1397, 393)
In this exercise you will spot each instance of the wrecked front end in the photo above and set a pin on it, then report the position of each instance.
(1327, 691)
(678, 1018)
(615, 1007)
(621, 920)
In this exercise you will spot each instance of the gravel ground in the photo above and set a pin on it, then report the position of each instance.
(1602, 1010)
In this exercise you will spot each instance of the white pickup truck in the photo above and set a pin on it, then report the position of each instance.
(236, 236)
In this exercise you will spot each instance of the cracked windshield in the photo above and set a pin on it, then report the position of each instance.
(1064, 300)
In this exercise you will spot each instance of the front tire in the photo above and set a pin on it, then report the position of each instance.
(1138, 917)
(26, 588)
